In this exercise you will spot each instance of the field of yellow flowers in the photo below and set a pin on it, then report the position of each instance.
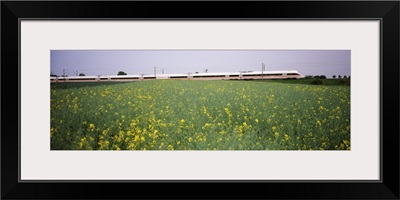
(199, 115)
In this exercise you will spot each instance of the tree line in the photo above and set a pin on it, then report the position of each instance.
(324, 77)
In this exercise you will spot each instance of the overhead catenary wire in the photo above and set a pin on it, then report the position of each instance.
(210, 68)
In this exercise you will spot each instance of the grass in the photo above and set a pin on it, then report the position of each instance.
(327, 82)
(200, 115)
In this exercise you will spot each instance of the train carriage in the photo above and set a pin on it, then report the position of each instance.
(243, 75)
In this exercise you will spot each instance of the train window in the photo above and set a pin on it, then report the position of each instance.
(119, 78)
(178, 76)
(80, 79)
(258, 74)
(212, 76)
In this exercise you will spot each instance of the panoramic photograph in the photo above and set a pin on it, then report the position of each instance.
(200, 100)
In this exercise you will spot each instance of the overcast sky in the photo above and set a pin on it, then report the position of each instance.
(136, 62)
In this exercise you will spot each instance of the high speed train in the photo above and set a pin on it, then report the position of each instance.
(243, 75)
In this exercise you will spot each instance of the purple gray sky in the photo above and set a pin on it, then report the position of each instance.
(136, 62)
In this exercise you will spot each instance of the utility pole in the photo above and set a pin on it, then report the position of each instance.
(76, 72)
(64, 74)
(162, 70)
(262, 71)
(155, 69)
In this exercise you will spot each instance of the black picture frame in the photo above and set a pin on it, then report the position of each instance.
(386, 11)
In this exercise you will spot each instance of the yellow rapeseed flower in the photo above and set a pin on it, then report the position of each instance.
(286, 137)
(52, 130)
(82, 142)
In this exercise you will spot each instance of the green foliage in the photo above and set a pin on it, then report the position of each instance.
(121, 73)
(199, 115)
(320, 77)
(344, 81)
(308, 77)
(327, 82)
(316, 82)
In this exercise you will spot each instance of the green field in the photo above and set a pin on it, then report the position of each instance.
(200, 115)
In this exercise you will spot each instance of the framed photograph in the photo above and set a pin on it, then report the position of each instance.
(289, 96)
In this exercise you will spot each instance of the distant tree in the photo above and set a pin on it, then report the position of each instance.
(320, 77)
(349, 77)
(82, 74)
(196, 72)
(334, 76)
(344, 76)
(52, 74)
(308, 77)
(339, 76)
(121, 73)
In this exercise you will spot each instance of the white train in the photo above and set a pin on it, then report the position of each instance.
(244, 75)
